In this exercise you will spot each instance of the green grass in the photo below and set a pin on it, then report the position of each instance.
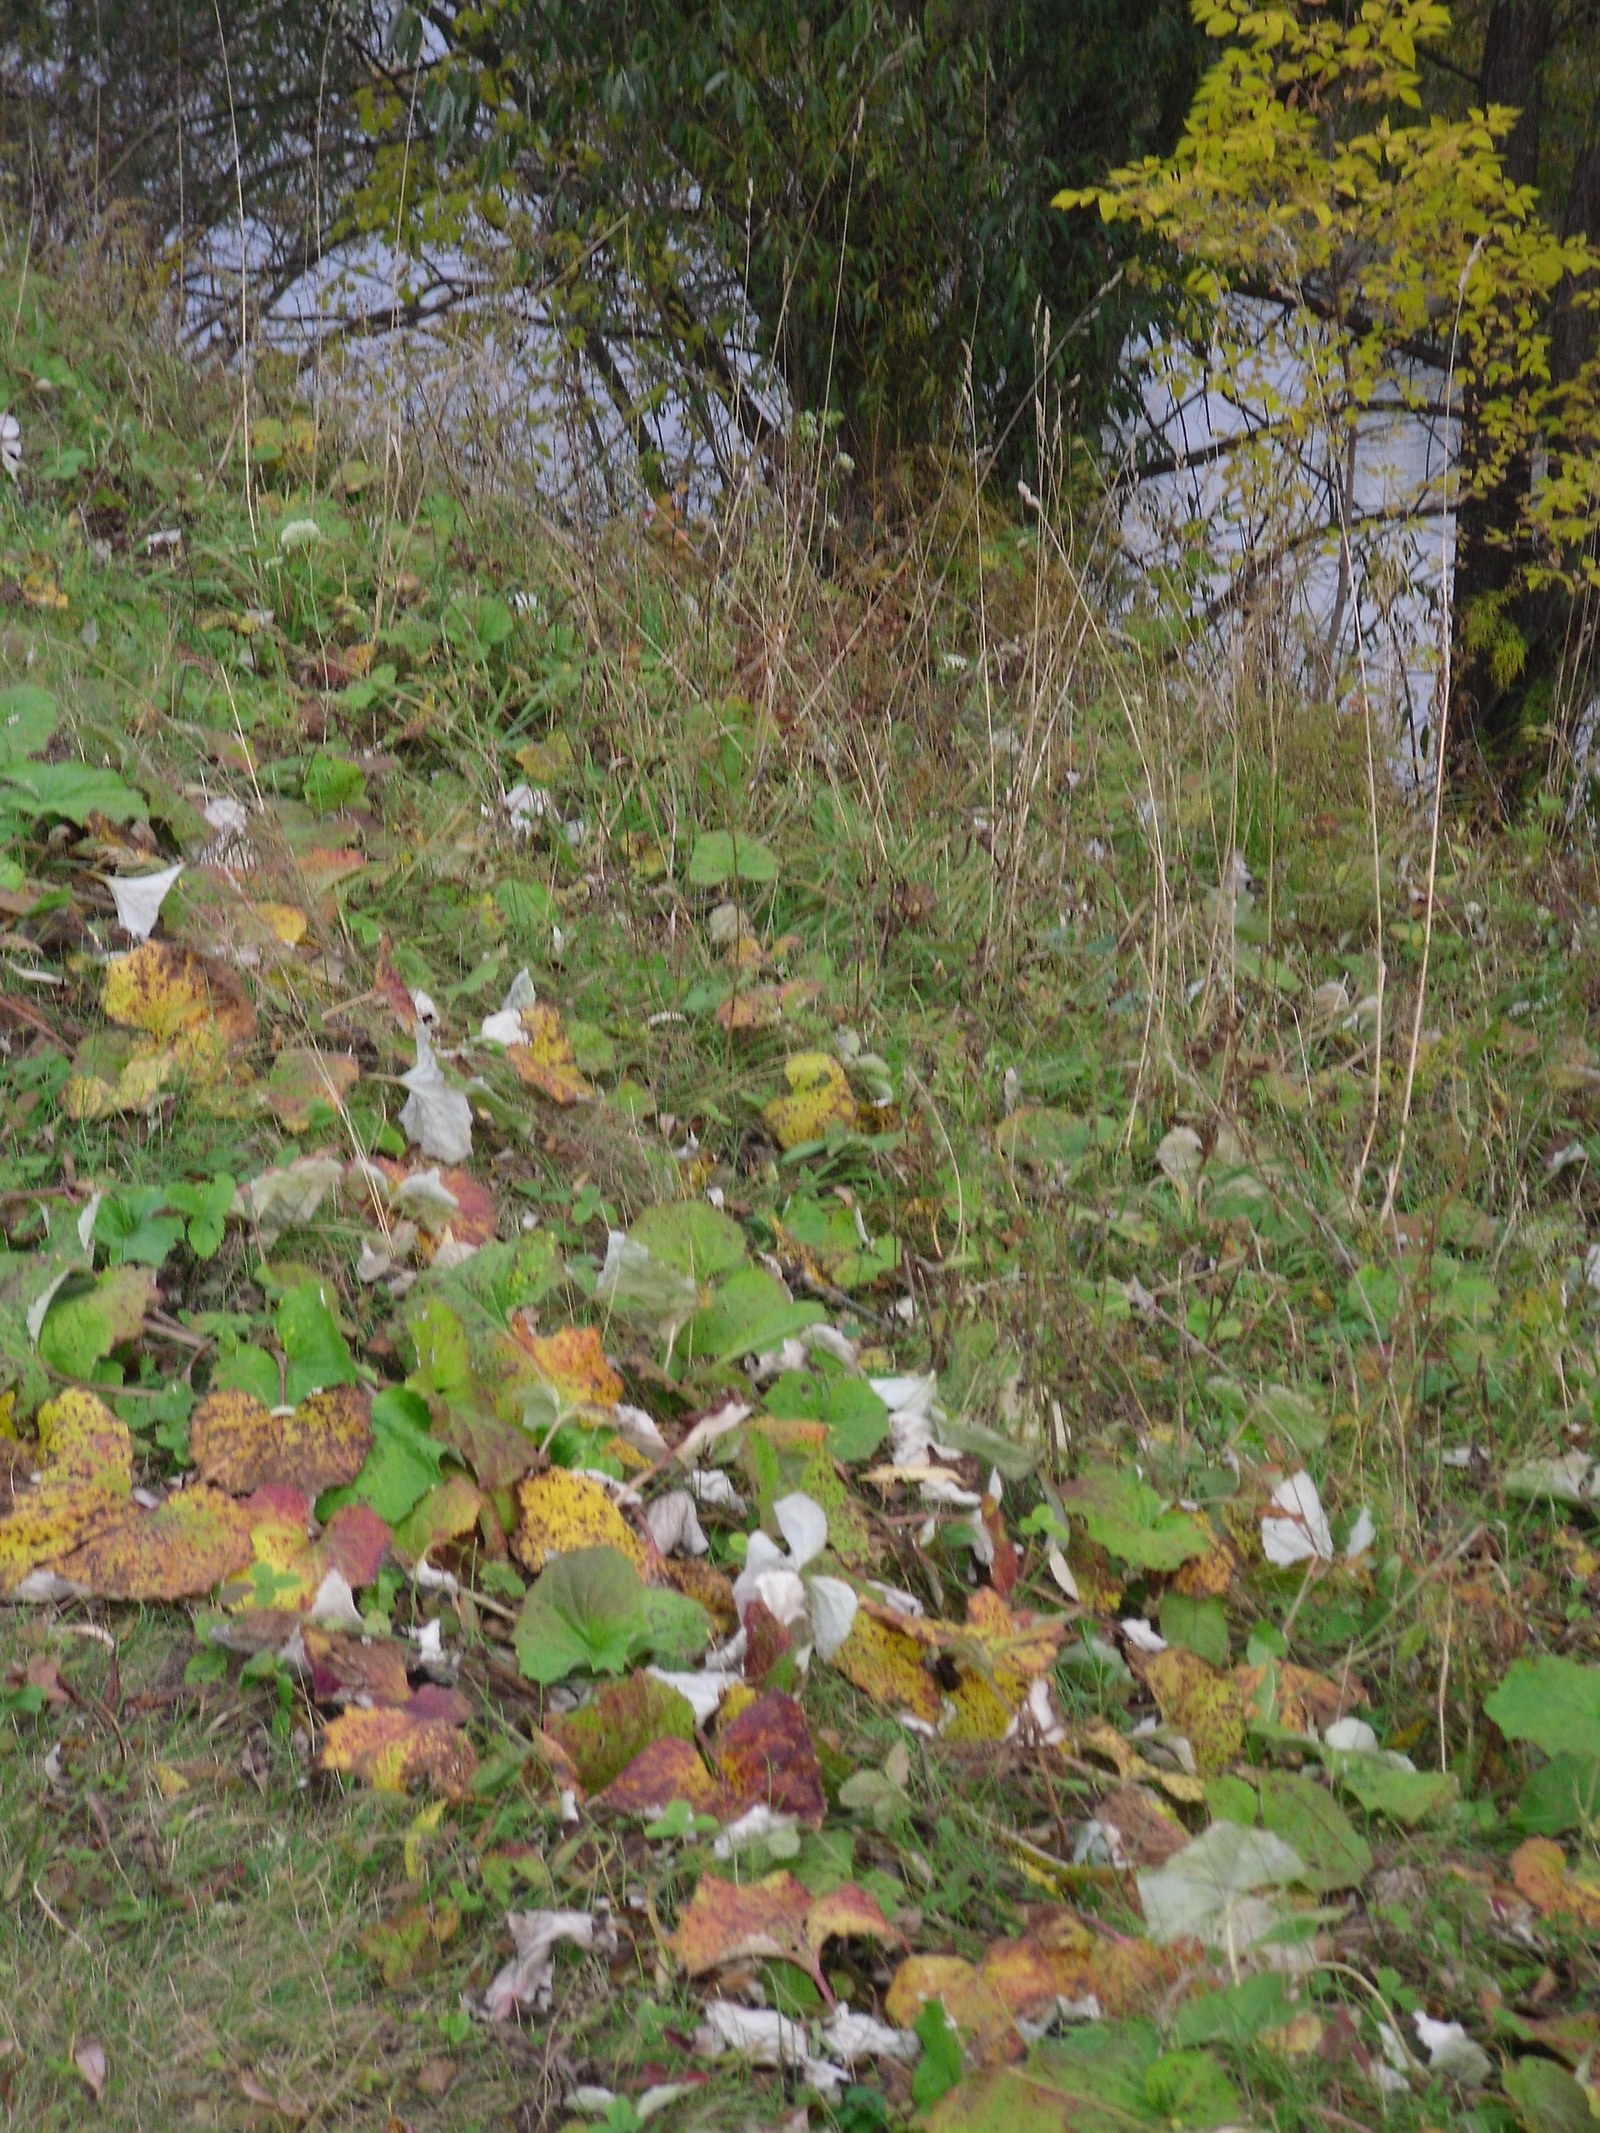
(999, 829)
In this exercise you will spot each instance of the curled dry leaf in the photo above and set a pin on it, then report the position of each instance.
(528, 1980)
(241, 1445)
(395, 1746)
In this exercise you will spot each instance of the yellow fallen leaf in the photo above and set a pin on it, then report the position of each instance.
(286, 922)
(546, 1062)
(819, 1097)
(561, 1512)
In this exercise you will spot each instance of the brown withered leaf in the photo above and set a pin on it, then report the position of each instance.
(775, 1918)
(241, 1445)
(185, 1546)
(765, 1758)
(624, 1719)
(397, 1746)
(1539, 1869)
(370, 1671)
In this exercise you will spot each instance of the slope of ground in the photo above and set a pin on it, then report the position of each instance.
(840, 1135)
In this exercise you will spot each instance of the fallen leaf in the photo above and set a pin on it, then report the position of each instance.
(606, 1736)
(396, 1746)
(241, 1445)
(1296, 1529)
(819, 1097)
(139, 897)
(437, 1117)
(1540, 1871)
(573, 1364)
(370, 1671)
(86, 1460)
(765, 1757)
(773, 1919)
(303, 1080)
(89, 2058)
(1062, 1958)
(190, 1542)
(289, 1567)
(886, 1664)
(546, 1061)
(1201, 1701)
(172, 994)
(562, 1512)
(528, 1979)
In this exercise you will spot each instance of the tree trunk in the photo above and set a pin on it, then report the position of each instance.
(1486, 712)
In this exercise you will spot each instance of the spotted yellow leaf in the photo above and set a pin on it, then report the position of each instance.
(562, 1512)
(819, 1097)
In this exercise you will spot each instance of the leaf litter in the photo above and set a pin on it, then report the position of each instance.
(637, 1492)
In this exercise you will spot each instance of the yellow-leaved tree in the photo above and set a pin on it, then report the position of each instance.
(1349, 261)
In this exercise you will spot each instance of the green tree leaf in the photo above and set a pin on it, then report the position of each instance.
(1555, 1703)
(1129, 1520)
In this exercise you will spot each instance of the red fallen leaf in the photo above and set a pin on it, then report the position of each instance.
(399, 1746)
(669, 1770)
(393, 990)
(766, 1758)
(359, 1670)
(763, 1759)
(766, 1642)
(774, 1919)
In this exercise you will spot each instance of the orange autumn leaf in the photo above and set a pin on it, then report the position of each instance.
(573, 1364)
(168, 992)
(775, 1918)
(395, 1747)
(546, 1062)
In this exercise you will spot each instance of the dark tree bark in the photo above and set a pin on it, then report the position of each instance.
(1486, 712)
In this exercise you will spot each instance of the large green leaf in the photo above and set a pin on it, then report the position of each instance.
(591, 1611)
(719, 856)
(28, 717)
(1555, 1703)
(1311, 1821)
(74, 791)
(750, 1312)
(403, 1463)
(1130, 1521)
(691, 1237)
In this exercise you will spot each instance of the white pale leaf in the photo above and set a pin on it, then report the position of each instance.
(853, 2037)
(139, 897)
(1451, 2052)
(1362, 1535)
(1182, 1156)
(291, 1194)
(1296, 1530)
(1199, 1893)
(675, 1526)
(701, 1692)
(435, 1116)
(426, 1199)
(804, 1525)
(833, 1613)
(527, 1979)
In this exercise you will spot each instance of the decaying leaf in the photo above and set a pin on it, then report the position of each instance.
(290, 1568)
(242, 1445)
(562, 1512)
(775, 1918)
(573, 1364)
(1203, 1703)
(393, 1747)
(1540, 1871)
(304, 1080)
(85, 1475)
(546, 1061)
(178, 997)
(190, 1542)
(819, 1097)
(1063, 1961)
